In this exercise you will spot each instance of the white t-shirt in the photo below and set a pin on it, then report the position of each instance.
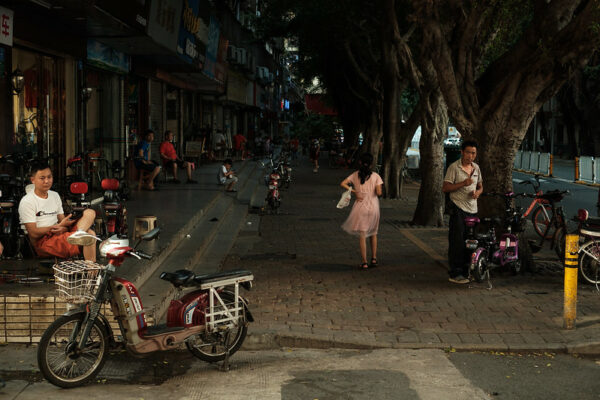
(44, 212)
(219, 138)
(222, 177)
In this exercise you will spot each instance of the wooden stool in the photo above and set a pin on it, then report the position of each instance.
(143, 224)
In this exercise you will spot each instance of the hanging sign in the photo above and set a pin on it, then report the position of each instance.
(6, 26)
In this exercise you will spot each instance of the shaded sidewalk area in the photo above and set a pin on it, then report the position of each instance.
(309, 291)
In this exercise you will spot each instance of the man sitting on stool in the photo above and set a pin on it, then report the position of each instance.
(171, 160)
(41, 212)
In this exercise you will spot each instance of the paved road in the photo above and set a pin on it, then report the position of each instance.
(299, 374)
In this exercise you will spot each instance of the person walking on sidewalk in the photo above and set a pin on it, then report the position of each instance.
(315, 149)
(363, 220)
(172, 160)
(464, 184)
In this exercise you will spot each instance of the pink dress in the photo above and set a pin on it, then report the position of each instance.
(364, 217)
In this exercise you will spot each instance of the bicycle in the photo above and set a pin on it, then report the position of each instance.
(557, 221)
(542, 214)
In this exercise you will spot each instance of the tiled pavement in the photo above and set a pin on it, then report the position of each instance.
(309, 291)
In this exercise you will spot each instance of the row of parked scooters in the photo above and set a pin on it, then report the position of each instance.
(279, 177)
(76, 191)
(490, 250)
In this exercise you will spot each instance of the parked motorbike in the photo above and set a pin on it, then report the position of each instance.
(11, 235)
(113, 211)
(488, 251)
(211, 320)
(273, 196)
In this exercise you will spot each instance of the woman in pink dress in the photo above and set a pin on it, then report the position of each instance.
(363, 220)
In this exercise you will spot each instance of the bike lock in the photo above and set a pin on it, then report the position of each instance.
(571, 263)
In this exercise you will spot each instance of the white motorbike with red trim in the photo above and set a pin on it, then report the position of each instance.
(211, 319)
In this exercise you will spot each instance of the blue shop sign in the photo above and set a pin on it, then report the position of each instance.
(105, 57)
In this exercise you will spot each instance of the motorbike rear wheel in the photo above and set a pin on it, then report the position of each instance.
(480, 270)
(210, 347)
(63, 366)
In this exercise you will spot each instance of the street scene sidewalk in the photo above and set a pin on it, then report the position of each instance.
(309, 291)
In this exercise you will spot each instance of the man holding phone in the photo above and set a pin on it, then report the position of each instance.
(41, 214)
(464, 184)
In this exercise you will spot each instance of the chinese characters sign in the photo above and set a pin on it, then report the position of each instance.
(6, 26)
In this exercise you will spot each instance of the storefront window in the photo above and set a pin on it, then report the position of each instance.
(39, 109)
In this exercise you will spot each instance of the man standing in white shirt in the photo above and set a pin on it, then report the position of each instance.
(42, 215)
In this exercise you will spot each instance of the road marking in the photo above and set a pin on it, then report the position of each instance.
(441, 261)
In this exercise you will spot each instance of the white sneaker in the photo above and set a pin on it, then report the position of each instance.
(82, 238)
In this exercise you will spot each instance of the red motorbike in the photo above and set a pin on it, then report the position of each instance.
(273, 197)
(113, 211)
(211, 320)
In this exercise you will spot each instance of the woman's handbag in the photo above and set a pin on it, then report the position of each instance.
(345, 199)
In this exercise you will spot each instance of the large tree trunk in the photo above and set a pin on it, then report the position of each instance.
(430, 207)
(373, 133)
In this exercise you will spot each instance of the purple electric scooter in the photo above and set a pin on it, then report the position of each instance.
(488, 251)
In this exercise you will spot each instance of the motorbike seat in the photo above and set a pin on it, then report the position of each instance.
(178, 278)
(593, 221)
(471, 221)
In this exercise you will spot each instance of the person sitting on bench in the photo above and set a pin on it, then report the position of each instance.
(143, 161)
(41, 213)
(171, 160)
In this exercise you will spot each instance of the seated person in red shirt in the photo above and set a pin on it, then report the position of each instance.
(42, 215)
(171, 160)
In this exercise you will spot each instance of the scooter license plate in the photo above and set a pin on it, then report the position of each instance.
(471, 244)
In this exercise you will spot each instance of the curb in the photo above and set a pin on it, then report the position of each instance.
(269, 340)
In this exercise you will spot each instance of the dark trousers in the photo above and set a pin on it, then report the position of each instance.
(458, 255)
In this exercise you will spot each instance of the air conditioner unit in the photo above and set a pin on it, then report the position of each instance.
(241, 56)
(231, 53)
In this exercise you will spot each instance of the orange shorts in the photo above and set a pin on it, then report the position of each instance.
(57, 245)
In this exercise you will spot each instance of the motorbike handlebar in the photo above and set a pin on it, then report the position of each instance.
(139, 254)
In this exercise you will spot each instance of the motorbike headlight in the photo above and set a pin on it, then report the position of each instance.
(471, 244)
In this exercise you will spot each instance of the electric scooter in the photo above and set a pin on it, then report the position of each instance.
(212, 319)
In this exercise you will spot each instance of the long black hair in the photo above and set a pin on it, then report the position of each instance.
(364, 167)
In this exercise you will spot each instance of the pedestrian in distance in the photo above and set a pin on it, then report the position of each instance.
(172, 160)
(363, 220)
(315, 149)
(464, 184)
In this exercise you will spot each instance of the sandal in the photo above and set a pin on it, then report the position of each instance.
(363, 266)
(373, 262)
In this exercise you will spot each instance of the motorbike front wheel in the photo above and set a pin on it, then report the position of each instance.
(480, 269)
(62, 364)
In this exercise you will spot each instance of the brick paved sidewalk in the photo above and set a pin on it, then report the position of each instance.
(310, 293)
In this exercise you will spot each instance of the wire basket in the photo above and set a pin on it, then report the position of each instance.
(76, 280)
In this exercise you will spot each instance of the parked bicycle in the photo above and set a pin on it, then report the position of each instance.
(558, 222)
(542, 211)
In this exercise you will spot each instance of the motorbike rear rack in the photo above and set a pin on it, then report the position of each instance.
(222, 315)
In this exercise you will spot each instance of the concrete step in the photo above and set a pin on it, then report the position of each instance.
(156, 293)
(247, 188)
(259, 194)
(138, 271)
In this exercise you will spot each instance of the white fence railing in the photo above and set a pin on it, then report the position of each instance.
(532, 162)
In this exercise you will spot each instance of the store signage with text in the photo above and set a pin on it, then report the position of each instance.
(6, 26)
